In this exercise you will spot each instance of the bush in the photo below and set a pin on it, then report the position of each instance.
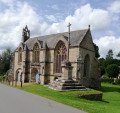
(104, 76)
(112, 70)
(117, 81)
(107, 80)
(5, 77)
(102, 70)
(1, 77)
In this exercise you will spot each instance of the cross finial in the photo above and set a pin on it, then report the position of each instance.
(69, 27)
(69, 32)
(89, 26)
(69, 24)
(68, 38)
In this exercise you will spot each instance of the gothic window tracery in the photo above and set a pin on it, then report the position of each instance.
(20, 55)
(36, 54)
(60, 56)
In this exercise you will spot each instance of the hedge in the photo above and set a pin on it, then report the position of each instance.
(107, 80)
(117, 81)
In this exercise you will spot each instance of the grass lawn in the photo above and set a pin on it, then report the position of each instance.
(109, 104)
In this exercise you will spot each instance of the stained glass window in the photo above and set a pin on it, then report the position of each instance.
(60, 57)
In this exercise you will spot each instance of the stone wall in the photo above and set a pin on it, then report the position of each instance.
(96, 96)
(18, 65)
(86, 81)
(47, 64)
(93, 78)
(95, 75)
(11, 77)
(75, 52)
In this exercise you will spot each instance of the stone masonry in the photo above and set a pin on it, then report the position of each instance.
(40, 59)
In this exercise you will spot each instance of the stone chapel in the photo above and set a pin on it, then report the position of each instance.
(40, 59)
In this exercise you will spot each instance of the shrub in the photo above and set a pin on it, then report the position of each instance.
(102, 70)
(117, 81)
(107, 80)
(1, 77)
(104, 76)
(112, 70)
(5, 77)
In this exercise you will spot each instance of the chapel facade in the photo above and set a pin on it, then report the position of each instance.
(39, 59)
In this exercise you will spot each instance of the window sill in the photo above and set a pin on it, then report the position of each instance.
(58, 74)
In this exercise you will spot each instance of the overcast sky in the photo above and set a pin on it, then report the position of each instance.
(52, 16)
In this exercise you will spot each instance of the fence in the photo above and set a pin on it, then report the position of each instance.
(9, 82)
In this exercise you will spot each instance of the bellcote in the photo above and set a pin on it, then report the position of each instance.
(25, 34)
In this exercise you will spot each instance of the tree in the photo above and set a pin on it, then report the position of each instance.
(118, 55)
(109, 55)
(112, 61)
(97, 54)
(102, 66)
(112, 70)
(5, 61)
(102, 70)
(102, 61)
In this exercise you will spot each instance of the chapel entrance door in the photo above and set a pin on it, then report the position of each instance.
(18, 75)
(36, 77)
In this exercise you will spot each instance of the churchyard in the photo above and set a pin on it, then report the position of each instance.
(110, 102)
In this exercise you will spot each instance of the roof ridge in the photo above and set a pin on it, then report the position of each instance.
(76, 37)
(60, 33)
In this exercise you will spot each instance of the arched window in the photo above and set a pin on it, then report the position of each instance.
(20, 55)
(61, 55)
(86, 65)
(36, 53)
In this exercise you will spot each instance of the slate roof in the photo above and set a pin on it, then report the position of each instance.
(75, 38)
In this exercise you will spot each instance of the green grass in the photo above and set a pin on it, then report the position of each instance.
(109, 104)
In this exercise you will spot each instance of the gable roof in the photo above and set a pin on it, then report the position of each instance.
(76, 38)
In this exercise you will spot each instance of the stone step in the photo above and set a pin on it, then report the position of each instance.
(70, 84)
(72, 87)
(66, 85)
(69, 81)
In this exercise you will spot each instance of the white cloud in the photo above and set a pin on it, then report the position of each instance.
(55, 7)
(114, 7)
(7, 1)
(110, 32)
(108, 42)
(14, 19)
(98, 19)
(51, 18)
(19, 14)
